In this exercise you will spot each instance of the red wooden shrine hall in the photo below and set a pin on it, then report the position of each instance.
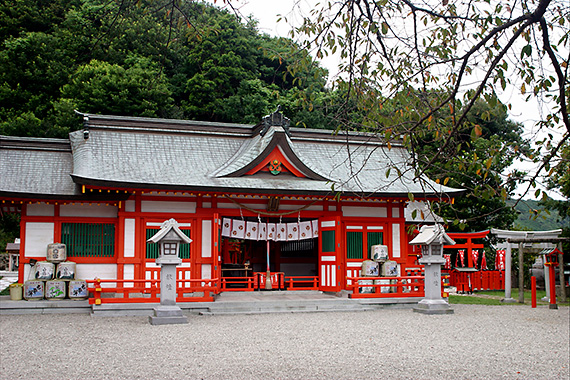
(107, 188)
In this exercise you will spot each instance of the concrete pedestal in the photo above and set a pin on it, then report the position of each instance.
(426, 306)
(433, 303)
(167, 315)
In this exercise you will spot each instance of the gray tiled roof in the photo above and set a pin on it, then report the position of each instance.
(35, 166)
(186, 155)
(193, 157)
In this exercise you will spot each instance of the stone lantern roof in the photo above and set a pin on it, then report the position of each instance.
(169, 230)
(432, 234)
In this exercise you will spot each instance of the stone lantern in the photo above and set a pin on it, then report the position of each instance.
(432, 239)
(169, 238)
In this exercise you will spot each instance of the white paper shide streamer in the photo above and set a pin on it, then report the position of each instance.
(240, 229)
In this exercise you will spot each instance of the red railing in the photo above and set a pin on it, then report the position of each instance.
(276, 278)
(278, 282)
(386, 287)
(237, 284)
(480, 280)
(147, 291)
(302, 282)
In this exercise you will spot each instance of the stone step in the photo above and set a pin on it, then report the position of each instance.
(8, 306)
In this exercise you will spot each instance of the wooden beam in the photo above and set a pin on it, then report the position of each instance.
(538, 240)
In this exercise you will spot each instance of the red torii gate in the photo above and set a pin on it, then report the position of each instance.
(469, 245)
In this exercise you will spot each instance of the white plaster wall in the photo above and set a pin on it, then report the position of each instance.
(129, 274)
(168, 207)
(377, 212)
(395, 212)
(207, 271)
(227, 205)
(396, 252)
(130, 206)
(89, 210)
(206, 238)
(42, 209)
(27, 269)
(158, 224)
(129, 238)
(102, 271)
(38, 236)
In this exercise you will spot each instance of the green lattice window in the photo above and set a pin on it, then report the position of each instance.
(88, 239)
(354, 245)
(374, 238)
(152, 248)
(328, 241)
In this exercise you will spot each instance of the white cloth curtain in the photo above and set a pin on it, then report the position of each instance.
(292, 231)
(281, 234)
(239, 229)
(252, 231)
(227, 227)
(262, 231)
(315, 225)
(305, 230)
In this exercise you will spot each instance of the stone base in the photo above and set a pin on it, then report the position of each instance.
(433, 307)
(167, 315)
(509, 300)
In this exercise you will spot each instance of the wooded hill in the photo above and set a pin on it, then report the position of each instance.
(137, 58)
(532, 216)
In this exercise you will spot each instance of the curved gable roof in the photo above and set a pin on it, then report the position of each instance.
(259, 149)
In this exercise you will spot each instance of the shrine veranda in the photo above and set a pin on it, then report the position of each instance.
(104, 191)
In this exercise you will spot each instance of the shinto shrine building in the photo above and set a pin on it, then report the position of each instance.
(307, 203)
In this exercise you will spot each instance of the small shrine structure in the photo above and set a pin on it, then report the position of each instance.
(525, 240)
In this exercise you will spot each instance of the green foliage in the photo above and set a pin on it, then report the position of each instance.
(474, 164)
(139, 58)
(9, 228)
(431, 72)
(536, 216)
(473, 300)
(139, 89)
(559, 180)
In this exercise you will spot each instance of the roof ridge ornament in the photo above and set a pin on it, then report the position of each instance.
(276, 119)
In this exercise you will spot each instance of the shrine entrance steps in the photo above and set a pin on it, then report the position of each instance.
(227, 303)
(264, 302)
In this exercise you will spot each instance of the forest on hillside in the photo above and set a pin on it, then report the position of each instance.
(132, 58)
(534, 216)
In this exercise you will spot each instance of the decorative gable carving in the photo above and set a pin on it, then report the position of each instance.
(271, 152)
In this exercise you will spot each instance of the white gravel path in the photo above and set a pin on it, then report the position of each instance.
(477, 342)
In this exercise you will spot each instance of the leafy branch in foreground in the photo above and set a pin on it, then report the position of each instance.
(417, 70)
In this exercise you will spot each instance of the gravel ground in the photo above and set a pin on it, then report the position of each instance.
(477, 342)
